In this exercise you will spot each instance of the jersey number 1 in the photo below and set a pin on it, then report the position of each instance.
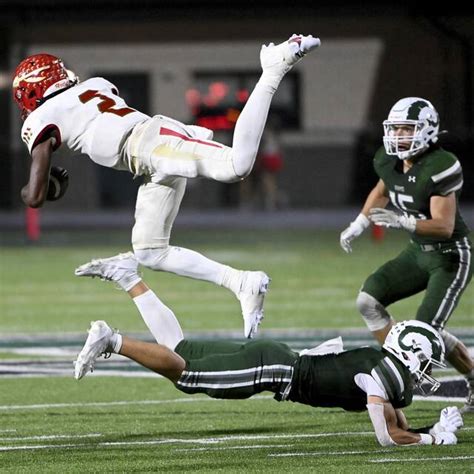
(106, 103)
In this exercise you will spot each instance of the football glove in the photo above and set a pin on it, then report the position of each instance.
(450, 420)
(58, 183)
(445, 438)
(355, 228)
(387, 218)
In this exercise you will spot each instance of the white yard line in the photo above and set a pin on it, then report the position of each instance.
(65, 436)
(327, 453)
(198, 441)
(117, 403)
(178, 400)
(441, 458)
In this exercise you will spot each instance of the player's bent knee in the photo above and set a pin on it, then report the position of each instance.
(152, 258)
(375, 315)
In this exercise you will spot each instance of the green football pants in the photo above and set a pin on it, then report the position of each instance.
(232, 370)
(444, 274)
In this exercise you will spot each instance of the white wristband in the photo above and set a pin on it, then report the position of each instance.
(362, 221)
(425, 439)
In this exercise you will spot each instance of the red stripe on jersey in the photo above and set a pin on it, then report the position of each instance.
(167, 131)
(49, 131)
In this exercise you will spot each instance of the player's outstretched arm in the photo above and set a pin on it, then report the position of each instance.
(392, 429)
(35, 192)
(376, 198)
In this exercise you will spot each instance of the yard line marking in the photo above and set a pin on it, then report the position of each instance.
(420, 398)
(182, 400)
(441, 458)
(118, 403)
(330, 453)
(154, 442)
(227, 448)
(25, 438)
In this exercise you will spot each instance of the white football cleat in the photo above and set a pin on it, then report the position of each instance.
(99, 341)
(121, 268)
(278, 60)
(251, 295)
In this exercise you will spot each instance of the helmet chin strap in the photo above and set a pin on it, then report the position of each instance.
(54, 94)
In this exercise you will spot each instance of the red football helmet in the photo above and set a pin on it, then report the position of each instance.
(37, 77)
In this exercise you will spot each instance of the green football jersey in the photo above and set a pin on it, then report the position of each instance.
(328, 380)
(434, 173)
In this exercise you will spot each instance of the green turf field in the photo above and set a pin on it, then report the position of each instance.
(144, 425)
(314, 283)
(125, 424)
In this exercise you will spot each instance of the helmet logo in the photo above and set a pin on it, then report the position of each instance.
(30, 77)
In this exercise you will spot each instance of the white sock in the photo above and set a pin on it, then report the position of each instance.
(116, 342)
(183, 262)
(160, 320)
(249, 127)
(232, 279)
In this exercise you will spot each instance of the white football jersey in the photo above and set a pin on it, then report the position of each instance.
(88, 118)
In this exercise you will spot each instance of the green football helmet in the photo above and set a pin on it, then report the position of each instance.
(417, 112)
(419, 348)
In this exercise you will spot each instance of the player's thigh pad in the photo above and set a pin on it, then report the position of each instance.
(397, 279)
(166, 147)
(156, 209)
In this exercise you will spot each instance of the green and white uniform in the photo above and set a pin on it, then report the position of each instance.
(442, 267)
(235, 371)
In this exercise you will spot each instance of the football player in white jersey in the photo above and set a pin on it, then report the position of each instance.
(90, 117)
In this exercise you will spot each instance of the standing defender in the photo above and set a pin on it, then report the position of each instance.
(423, 182)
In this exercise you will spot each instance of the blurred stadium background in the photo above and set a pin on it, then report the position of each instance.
(196, 62)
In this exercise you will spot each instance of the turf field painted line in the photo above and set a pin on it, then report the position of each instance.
(42, 406)
(227, 448)
(193, 441)
(45, 437)
(441, 458)
(328, 453)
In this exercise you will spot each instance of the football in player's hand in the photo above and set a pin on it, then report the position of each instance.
(58, 183)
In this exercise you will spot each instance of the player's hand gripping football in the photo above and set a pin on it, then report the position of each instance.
(58, 183)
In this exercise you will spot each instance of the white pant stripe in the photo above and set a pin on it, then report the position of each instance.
(458, 284)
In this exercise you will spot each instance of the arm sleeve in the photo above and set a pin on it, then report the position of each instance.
(380, 426)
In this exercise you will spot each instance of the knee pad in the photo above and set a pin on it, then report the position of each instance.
(375, 315)
(450, 341)
(152, 258)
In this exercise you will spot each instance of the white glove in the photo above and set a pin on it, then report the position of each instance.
(445, 438)
(354, 230)
(392, 219)
(450, 420)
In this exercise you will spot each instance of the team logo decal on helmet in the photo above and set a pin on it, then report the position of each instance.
(417, 113)
(36, 78)
(418, 347)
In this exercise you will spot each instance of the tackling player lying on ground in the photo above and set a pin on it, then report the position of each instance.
(423, 182)
(91, 118)
(378, 380)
